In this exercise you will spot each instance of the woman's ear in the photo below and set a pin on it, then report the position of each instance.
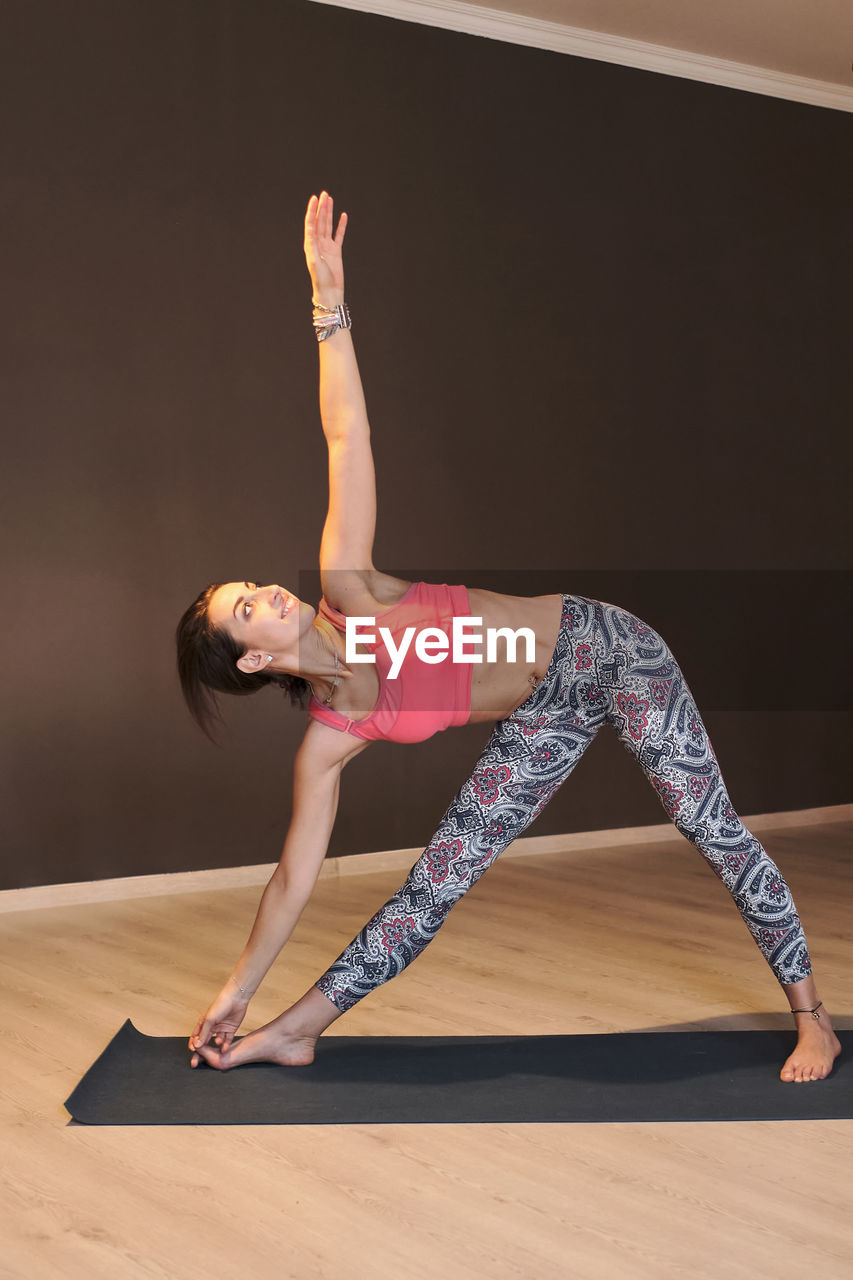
(252, 662)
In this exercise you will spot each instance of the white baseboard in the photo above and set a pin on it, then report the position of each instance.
(127, 887)
(514, 28)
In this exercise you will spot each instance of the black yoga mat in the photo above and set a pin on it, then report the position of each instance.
(632, 1076)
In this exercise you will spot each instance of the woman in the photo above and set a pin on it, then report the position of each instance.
(582, 663)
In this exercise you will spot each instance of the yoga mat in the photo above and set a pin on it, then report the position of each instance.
(630, 1076)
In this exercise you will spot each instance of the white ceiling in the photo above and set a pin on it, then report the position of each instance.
(797, 49)
(812, 38)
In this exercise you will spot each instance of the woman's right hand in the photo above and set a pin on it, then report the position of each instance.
(220, 1022)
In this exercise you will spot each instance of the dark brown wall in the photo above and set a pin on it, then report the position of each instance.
(602, 320)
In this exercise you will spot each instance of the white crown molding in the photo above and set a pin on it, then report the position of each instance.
(513, 28)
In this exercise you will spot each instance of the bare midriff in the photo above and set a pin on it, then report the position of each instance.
(499, 687)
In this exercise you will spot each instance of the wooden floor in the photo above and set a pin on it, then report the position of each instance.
(614, 940)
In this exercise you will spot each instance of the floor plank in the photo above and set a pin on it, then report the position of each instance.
(607, 940)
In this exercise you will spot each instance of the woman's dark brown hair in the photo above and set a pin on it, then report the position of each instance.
(207, 665)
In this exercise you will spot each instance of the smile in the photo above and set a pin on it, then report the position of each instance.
(287, 607)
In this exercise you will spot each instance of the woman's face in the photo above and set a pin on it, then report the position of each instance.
(262, 620)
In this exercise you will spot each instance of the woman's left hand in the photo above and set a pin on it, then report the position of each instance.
(323, 249)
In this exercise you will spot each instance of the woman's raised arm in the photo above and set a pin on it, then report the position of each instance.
(350, 526)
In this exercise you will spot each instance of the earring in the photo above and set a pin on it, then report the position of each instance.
(269, 657)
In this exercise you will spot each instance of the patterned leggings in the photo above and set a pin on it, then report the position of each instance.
(607, 666)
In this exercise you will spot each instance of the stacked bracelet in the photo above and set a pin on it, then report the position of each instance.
(327, 320)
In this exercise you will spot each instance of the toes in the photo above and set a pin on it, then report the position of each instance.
(212, 1056)
(799, 1073)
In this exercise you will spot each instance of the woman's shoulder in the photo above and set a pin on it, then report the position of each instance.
(362, 592)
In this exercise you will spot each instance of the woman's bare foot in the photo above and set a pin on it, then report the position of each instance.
(817, 1048)
(271, 1043)
(288, 1040)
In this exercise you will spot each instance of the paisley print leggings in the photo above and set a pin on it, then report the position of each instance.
(607, 667)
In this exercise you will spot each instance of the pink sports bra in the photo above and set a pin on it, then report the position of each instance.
(424, 698)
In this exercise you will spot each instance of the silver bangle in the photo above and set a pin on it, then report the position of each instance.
(328, 320)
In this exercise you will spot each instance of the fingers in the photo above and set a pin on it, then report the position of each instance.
(200, 1049)
(201, 1035)
(315, 215)
(320, 219)
(199, 1040)
(311, 218)
(324, 216)
(212, 1057)
(197, 1048)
